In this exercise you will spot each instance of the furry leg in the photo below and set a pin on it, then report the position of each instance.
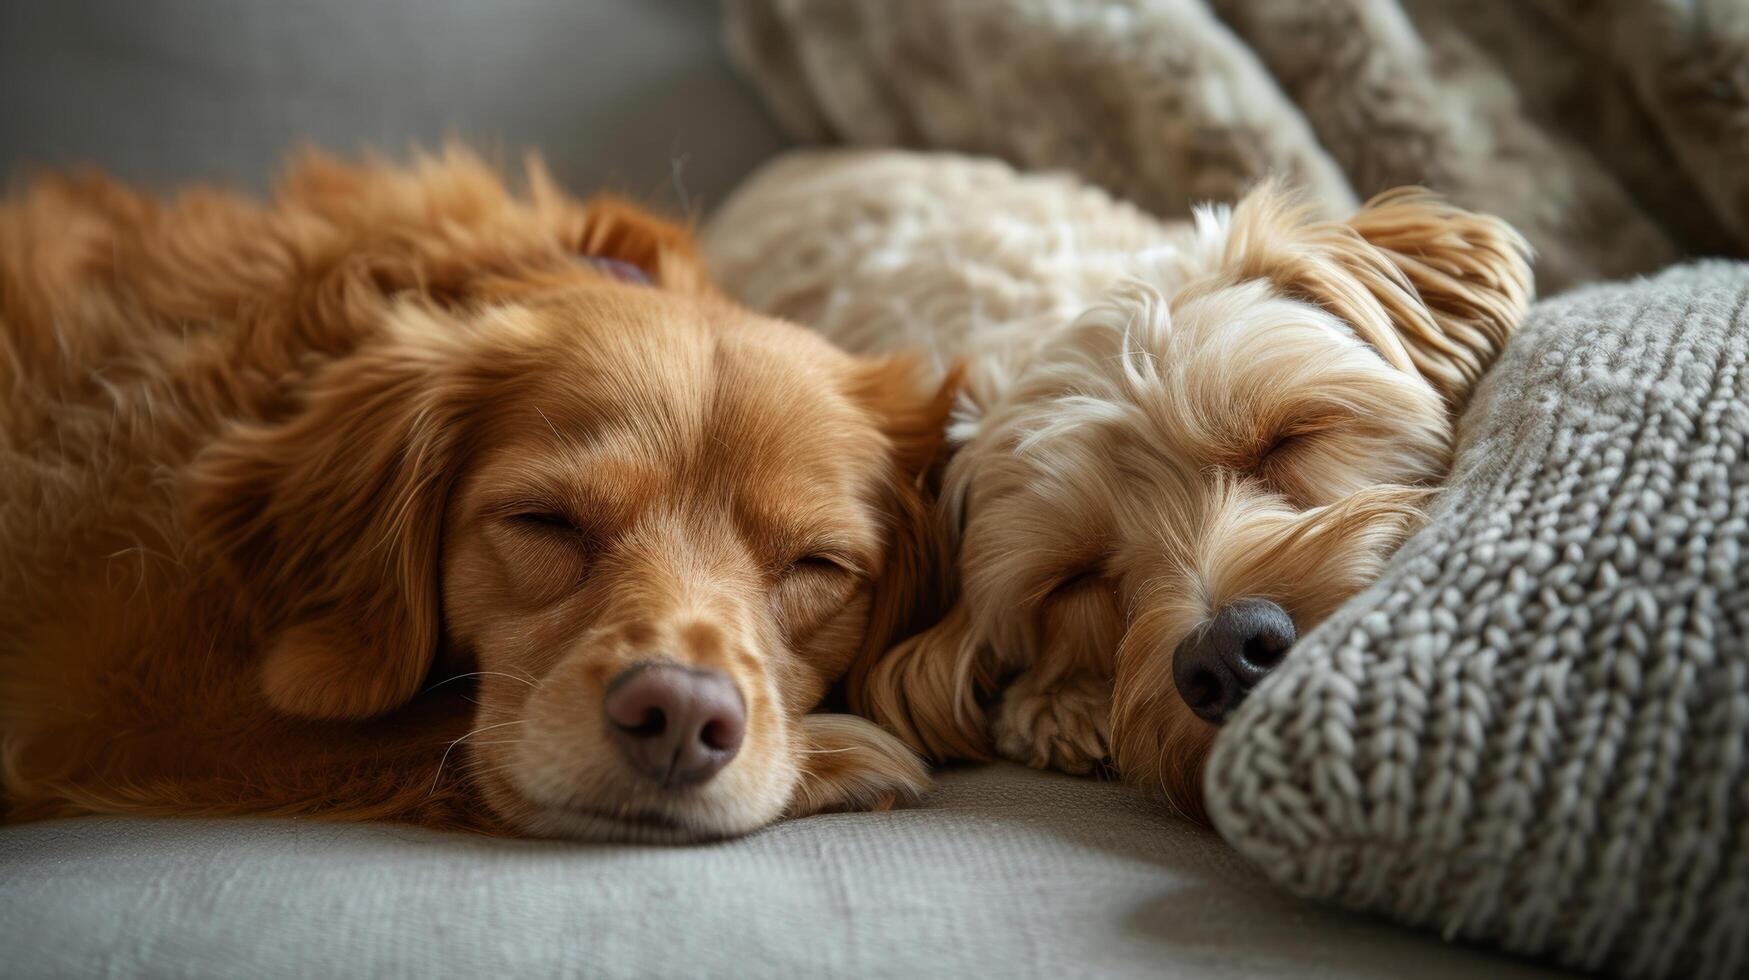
(1062, 724)
(850, 764)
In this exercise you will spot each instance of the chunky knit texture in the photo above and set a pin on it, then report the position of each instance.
(1534, 729)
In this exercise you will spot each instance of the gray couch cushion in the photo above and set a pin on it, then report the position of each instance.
(1534, 729)
(1001, 872)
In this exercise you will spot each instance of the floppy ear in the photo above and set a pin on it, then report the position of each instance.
(1456, 286)
(663, 250)
(911, 688)
(1434, 288)
(330, 521)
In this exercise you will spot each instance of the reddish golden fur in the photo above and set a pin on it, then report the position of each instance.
(267, 472)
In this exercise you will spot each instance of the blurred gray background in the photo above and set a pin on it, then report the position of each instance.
(617, 94)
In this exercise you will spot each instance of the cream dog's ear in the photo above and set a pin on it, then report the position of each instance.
(913, 688)
(1455, 283)
(1434, 288)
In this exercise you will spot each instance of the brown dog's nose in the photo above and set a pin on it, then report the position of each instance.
(675, 724)
(1216, 668)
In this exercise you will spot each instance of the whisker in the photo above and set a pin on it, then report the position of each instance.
(452, 745)
(481, 673)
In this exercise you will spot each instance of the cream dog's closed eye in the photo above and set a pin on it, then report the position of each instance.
(1179, 446)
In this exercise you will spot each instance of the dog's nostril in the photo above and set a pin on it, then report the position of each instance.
(718, 735)
(1265, 652)
(1261, 633)
(1199, 687)
(653, 723)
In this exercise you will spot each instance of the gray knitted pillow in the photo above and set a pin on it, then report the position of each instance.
(1534, 730)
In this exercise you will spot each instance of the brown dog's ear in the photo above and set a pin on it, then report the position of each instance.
(909, 688)
(663, 250)
(331, 520)
(1433, 287)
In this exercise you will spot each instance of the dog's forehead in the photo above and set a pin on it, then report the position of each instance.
(752, 400)
(646, 342)
(779, 406)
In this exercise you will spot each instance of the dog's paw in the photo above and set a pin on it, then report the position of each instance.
(850, 764)
(1065, 726)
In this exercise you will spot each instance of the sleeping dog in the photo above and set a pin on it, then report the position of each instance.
(1179, 447)
(279, 481)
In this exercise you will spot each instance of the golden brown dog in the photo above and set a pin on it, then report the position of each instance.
(271, 474)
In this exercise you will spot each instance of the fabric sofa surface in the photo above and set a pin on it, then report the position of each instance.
(1002, 871)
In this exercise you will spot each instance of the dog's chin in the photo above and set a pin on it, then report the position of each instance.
(679, 817)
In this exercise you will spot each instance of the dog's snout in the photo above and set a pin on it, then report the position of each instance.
(1216, 667)
(675, 725)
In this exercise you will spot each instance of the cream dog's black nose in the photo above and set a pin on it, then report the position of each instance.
(1218, 665)
(675, 724)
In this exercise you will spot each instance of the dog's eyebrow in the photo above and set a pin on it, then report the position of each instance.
(598, 485)
(827, 525)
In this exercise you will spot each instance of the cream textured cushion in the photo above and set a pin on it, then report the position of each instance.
(1534, 729)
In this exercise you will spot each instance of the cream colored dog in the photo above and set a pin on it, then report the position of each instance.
(1178, 446)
